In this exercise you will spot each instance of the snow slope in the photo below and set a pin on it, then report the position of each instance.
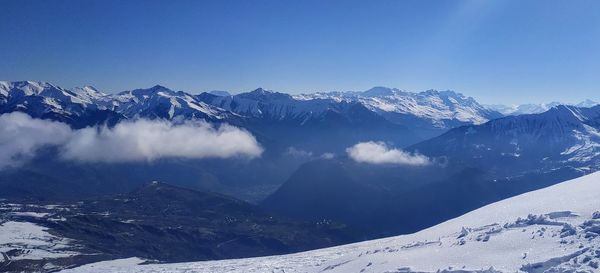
(25, 240)
(556, 229)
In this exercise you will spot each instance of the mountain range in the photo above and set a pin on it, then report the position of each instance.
(428, 109)
(532, 108)
(431, 109)
(561, 136)
(292, 130)
(468, 156)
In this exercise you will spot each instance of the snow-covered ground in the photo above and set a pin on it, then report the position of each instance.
(556, 229)
(25, 240)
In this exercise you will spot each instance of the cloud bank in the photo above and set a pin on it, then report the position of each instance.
(21, 136)
(146, 140)
(141, 140)
(379, 153)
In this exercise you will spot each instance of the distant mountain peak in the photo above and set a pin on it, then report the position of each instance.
(263, 94)
(34, 83)
(564, 112)
(533, 108)
(219, 93)
(154, 90)
(379, 91)
(88, 91)
(29, 87)
(587, 103)
(452, 93)
(159, 87)
(91, 88)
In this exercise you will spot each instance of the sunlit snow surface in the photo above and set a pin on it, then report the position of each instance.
(549, 230)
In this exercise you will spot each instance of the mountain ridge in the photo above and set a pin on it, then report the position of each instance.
(563, 135)
(532, 108)
(438, 109)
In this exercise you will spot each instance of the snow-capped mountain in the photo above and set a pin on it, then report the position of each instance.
(79, 107)
(531, 108)
(435, 109)
(587, 103)
(429, 110)
(92, 95)
(561, 136)
(52, 98)
(427, 113)
(556, 229)
(522, 109)
(161, 102)
(84, 106)
(270, 105)
(319, 125)
(219, 93)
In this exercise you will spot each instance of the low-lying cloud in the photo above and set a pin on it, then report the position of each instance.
(146, 140)
(379, 153)
(141, 140)
(327, 156)
(293, 152)
(21, 136)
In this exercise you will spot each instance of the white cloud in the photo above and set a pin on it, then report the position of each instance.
(292, 151)
(148, 140)
(380, 153)
(142, 140)
(327, 156)
(21, 136)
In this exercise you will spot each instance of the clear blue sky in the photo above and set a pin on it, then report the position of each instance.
(495, 51)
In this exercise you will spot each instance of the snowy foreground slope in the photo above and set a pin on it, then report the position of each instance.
(556, 229)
